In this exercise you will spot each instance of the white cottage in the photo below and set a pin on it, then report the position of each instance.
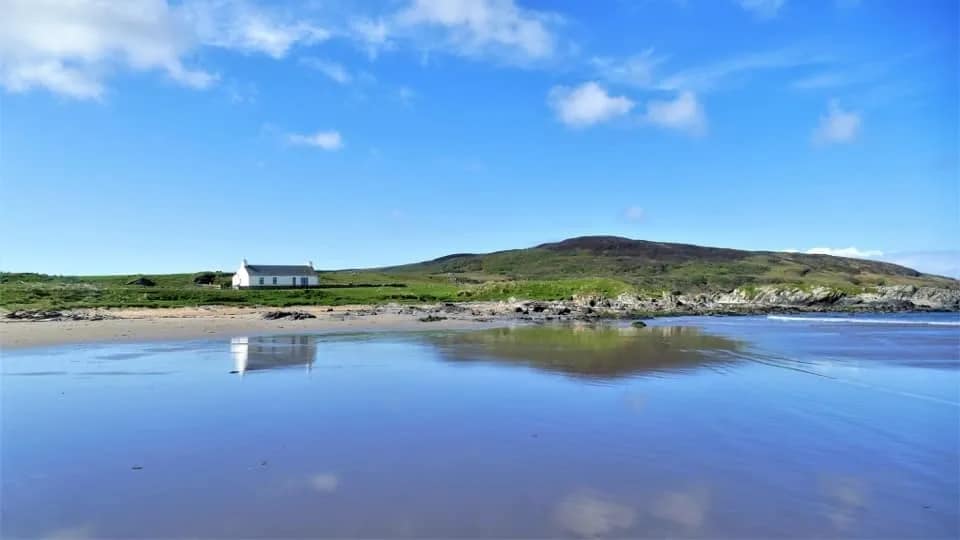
(280, 276)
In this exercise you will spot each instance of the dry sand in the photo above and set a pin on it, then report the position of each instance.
(131, 325)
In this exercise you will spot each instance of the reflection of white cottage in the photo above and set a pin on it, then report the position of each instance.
(276, 276)
(272, 352)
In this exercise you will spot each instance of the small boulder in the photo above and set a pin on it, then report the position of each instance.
(142, 282)
(288, 315)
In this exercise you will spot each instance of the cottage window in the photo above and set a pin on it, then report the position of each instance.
(293, 281)
(261, 281)
(274, 281)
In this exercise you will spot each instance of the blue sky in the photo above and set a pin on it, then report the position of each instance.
(148, 136)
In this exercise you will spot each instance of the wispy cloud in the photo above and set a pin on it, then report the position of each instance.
(837, 126)
(638, 70)
(325, 140)
(373, 35)
(480, 27)
(683, 113)
(239, 25)
(712, 75)
(586, 104)
(334, 71)
(634, 214)
(406, 95)
(763, 9)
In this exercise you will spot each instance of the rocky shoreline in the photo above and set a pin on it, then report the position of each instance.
(758, 301)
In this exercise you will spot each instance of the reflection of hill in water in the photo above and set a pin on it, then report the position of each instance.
(585, 351)
(272, 352)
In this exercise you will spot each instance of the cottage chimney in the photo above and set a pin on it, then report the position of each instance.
(245, 262)
(310, 263)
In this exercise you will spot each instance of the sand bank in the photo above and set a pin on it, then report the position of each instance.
(132, 325)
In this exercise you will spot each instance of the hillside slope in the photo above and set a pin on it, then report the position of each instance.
(660, 265)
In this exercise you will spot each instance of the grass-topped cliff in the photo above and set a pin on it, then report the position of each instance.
(587, 265)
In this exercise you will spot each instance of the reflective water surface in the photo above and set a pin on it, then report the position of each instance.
(699, 427)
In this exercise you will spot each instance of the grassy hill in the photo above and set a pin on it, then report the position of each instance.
(587, 265)
(660, 265)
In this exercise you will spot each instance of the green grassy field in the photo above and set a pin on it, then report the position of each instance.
(597, 265)
(19, 291)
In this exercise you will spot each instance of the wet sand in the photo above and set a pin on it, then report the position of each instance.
(135, 325)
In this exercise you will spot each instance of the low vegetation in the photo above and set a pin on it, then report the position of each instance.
(606, 266)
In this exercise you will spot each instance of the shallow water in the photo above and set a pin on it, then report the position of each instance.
(694, 427)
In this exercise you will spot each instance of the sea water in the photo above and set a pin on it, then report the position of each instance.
(746, 427)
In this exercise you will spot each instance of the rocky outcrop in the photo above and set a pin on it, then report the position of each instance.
(774, 298)
(764, 299)
(53, 315)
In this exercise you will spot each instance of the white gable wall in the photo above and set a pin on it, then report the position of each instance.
(241, 278)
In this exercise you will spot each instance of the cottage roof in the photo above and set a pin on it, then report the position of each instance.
(280, 270)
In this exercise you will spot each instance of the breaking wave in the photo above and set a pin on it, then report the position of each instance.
(858, 320)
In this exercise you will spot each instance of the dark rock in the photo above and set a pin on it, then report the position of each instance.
(638, 324)
(142, 282)
(432, 318)
(289, 315)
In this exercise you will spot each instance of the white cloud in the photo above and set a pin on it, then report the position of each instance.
(837, 126)
(327, 140)
(850, 252)
(475, 27)
(586, 104)
(71, 46)
(634, 214)
(68, 47)
(333, 70)
(238, 25)
(682, 114)
(764, 9)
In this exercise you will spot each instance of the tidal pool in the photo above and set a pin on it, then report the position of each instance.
(701, 427)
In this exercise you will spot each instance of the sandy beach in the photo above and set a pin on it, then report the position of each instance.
(133, 325)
